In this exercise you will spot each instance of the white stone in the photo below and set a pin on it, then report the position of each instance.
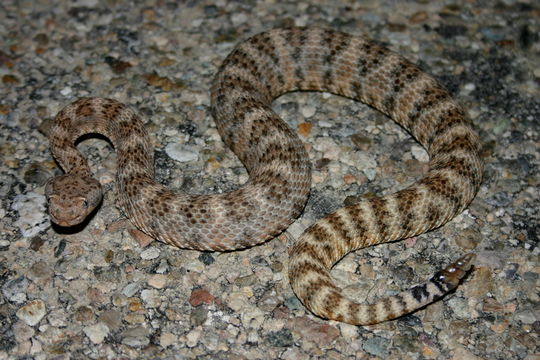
(193, 337)
(349, 331)
(180, 152)
(32, 215)
(239, 18)
(167, 339)
(370, 174)
(66, 91)
(32, 313)
(252, 317)
(308, 111)
(237, 301)
(151, 298)
(419, 153)
(150, 253)
(97, 332)
(469, 87)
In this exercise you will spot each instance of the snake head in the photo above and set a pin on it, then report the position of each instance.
(72, 198)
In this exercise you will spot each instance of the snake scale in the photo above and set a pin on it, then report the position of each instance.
(257, 71)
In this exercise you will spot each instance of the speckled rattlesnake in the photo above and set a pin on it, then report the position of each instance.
(257, 71)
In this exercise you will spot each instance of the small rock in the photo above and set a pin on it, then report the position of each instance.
(281, 338)
(57, 318)
(163, 267)
(32, 313)
(111, 318)
(198, 316)
(419, 153)
(22, 331)
(66, 91)
(321, 334)
(135, 337)
(308, 111)
(480, 284)
(252, 317)
(377, 346)
(151, 298)
(418, 17)
(468, 239)
(200, 296)
(361, 141)
(97, 332)
(158, 281)
(32, 215)
(193, 337)
(206, 258)
(15, 290)
(304, 129)
(4, 244)
(294, 353)
(167, 339)
(460, 308)
(292, 303)
(131, 289)
(526, 316)
(370, 174)
(150, 253)
(84, 314)
(180, 153)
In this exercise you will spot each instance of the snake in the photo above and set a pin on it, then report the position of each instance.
(257, 71)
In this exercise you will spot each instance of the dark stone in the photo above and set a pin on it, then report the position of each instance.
(281, 338)
(449, 31)
(206, 258)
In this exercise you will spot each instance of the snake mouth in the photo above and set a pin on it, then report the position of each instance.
(66, 221)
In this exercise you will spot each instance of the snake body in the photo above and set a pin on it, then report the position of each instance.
(257, 71)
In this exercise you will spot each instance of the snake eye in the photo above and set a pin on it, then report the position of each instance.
(85, 203)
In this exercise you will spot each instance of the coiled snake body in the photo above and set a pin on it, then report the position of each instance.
(256, 72)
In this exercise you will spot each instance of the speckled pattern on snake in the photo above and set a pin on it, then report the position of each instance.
(257, 71)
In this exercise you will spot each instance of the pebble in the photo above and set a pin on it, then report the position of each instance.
(308, 111)
(135, 337)
(293, 353)
(304, 129)
(97, 332)
(198, 316)
(377, 346)
(193, 337)
(527, 316)
(180, 152)
(200, 296)
(468, 239)
(151, 298)
(322, 334)
(131, 289)
(167, 339)
(158, 281)
(84, 314)
(252, 317)
(150, 253)
(32, 215)
(32, 312)
(419, 153)
(57, 318)
(22, 331)
(460, 307)
(111, 318)
(15, 290)
(281, 338)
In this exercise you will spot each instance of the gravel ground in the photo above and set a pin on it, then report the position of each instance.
(95, 293)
